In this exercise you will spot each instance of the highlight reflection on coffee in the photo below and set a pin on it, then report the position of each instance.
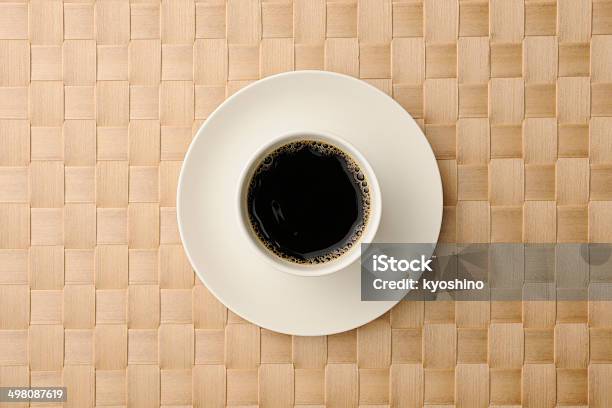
(308, 201)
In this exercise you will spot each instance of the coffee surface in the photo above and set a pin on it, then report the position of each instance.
(308, 201)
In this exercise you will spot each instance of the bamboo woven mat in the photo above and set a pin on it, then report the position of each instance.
(99, 101)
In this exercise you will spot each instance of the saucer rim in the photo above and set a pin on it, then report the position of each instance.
(181, 181)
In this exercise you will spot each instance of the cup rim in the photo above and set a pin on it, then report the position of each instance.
(346, 258)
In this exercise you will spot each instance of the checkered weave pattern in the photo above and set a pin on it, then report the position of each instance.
(99, 101)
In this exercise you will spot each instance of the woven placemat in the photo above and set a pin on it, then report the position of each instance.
(99, 101)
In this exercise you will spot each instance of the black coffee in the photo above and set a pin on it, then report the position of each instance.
(308, 201)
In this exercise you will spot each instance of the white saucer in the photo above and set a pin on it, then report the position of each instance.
(208, 221)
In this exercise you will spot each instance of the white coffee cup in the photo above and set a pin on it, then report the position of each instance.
(346, 258)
